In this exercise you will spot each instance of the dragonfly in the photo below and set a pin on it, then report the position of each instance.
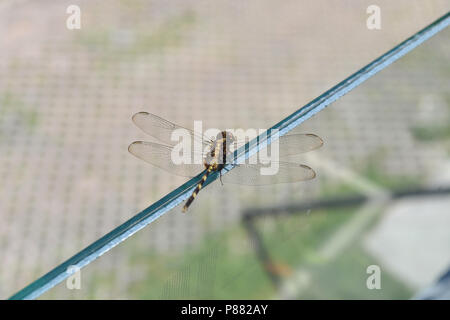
(215, 154)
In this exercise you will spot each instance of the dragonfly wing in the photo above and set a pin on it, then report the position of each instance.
(162, 129)
(161, 156)
(252, 175)
(290, 144)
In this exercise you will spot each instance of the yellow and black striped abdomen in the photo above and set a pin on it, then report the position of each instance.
(198, 188)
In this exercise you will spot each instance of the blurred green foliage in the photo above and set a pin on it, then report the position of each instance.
(225, 266)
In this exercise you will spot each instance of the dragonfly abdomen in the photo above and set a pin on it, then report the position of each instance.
(198, 188)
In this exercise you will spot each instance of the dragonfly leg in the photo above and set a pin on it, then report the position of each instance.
(220, 177)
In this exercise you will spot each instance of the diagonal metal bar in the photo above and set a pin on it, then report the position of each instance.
(153, 212)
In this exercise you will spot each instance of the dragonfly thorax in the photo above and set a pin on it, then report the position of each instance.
(226, 136)
(220, 148)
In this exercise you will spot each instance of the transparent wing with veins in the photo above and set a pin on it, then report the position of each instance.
(160, 156)
(289, 144)
(283, 172)
(162, 129)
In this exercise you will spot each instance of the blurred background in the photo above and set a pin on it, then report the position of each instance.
(66, 101)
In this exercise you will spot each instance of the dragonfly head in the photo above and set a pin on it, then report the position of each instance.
(230, 138)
